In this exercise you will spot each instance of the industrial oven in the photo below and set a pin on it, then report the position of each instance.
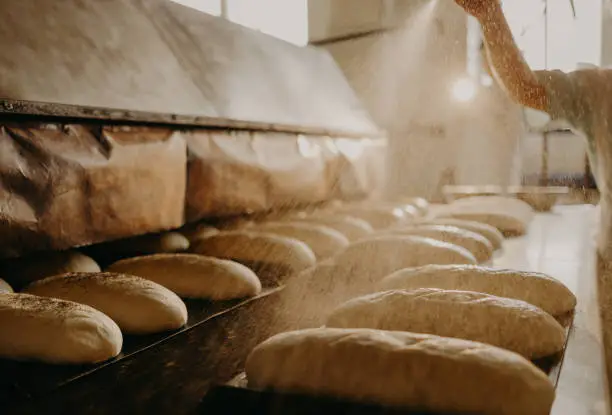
(121, 118)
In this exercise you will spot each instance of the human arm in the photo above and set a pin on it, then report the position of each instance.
(505, 58)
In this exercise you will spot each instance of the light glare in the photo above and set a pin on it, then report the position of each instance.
(464, 90)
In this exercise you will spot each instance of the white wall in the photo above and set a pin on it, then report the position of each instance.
(284, 19)
(570, 40)
(404, 77)
(335, 18)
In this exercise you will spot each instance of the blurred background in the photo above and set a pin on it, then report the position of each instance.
(408, 60)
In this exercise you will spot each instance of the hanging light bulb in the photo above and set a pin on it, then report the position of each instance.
(464, 90)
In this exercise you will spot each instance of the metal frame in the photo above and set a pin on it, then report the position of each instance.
(23, 110)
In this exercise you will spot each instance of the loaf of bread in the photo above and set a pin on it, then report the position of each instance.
(55, 331)
(377, 257)
(323, 241)
(193, 276)
(138, 306)
(378, 218)
(352, 228)
(400, 369)
(503, 322)
(477, 244)
(307, 299)
(198, 231)
(493, 234)
(407, 208)
(418, 202)
(510, 216)
(534, 288)
(258, 250)
(165, 243)
(507, 223)
(518, 206)
(5, 287)
(22, 271)
(234, 224)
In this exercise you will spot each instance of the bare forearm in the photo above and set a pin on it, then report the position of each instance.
(508, 64)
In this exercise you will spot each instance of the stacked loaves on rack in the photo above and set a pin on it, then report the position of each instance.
(389, 302)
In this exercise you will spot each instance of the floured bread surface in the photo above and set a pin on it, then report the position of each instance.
(22, 271)
(55, 331)
(534, 288)
(425, 372)
(137, 305)
(5, 287)
(376, 257)
(323, 241)
(193, 276)
(495, 237)
(352, 228)
(510, 324)
(257, 247)
(477, 244)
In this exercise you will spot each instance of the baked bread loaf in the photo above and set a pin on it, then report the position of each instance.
(235, 224)
(377, 257)
(534, 288)
(377, 217)
(193, 276)
(421, 204)
(55, 331)
(138, 306)
(262, 252)
(508, 224)
(323, 240)
(510, 216)
(352, 228)
(409, 209)
(22, 271)
(198, 231)
(510, 324)
(491, 233)
(307, 299)
(165, 243)
(477, 244)
(510, 203)
(5, 287)
(400, 369)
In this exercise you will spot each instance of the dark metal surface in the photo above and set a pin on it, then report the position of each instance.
(158, 61)
(17, 111)
(237, 401)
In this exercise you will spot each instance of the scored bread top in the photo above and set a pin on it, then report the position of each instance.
(535, 288)
(257, 246)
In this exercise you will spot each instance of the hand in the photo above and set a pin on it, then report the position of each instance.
(480, 9)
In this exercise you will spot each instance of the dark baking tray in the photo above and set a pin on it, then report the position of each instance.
(235, 397)
(32, 380)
